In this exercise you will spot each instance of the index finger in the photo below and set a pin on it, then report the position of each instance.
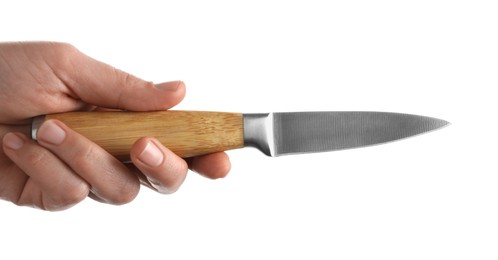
(102, 85)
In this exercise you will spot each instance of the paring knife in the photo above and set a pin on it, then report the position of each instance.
(192, 133)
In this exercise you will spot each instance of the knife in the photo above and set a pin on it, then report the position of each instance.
(193, 133)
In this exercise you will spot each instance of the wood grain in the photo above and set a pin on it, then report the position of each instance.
(186, 133)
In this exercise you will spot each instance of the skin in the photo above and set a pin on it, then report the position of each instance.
(63, 167)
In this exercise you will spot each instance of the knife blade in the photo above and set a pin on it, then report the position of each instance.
(193, 133)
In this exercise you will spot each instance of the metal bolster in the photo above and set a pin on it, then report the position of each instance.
(37, 121)
(258, 132)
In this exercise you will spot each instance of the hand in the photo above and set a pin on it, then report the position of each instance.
(63, 168)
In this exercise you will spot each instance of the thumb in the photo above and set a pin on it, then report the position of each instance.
(102, 85)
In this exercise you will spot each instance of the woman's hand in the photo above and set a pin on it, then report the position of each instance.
(63, 167)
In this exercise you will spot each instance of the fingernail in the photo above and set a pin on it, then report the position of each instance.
(151, 155)
(171, 86)
(13, 141)
(51, 133)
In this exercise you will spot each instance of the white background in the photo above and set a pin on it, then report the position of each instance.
(430, 197)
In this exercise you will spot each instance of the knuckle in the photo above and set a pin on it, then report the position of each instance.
(125, 196)
(114, 185)
(75, 195)
(131, 81)
(62, 58)
(65, 201)
(62, 49)
(129, 85)
(56, 202)
(82, 157)
(63, 52)
(123, 191)
(37, 158)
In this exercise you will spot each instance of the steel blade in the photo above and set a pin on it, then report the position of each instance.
(308, 132)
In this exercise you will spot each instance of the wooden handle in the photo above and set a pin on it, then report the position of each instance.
(186, 133)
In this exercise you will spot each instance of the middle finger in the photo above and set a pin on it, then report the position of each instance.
(109, 179)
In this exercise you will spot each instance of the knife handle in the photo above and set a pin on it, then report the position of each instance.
(186, 133)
